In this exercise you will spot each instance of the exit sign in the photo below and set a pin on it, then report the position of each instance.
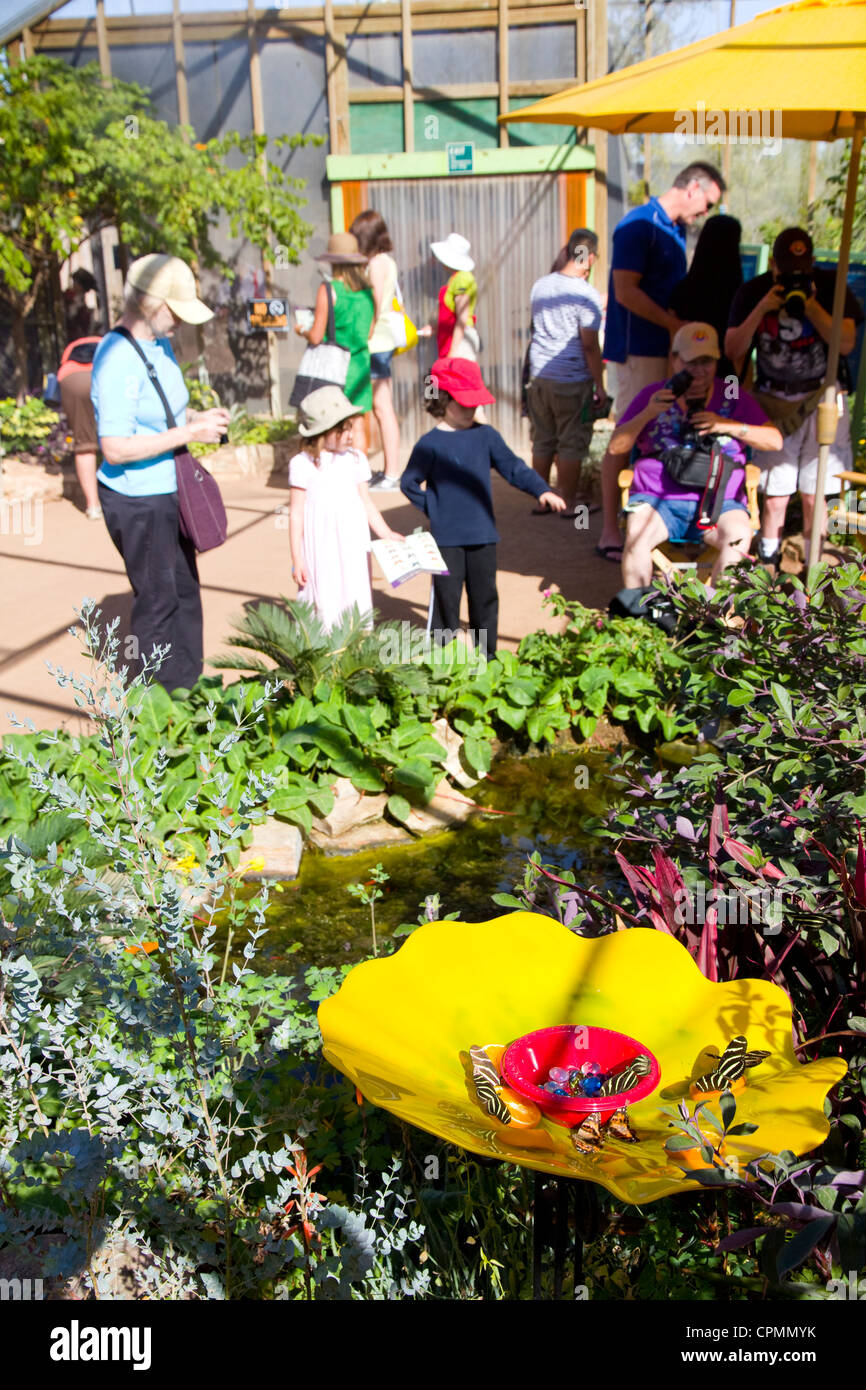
(460, 158)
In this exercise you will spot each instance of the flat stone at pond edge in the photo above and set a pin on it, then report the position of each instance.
(452, 742)
(351, 808)
(448, 807)
(377, 835)
(275, 851)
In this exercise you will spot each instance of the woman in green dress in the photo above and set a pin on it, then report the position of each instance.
(354, 311)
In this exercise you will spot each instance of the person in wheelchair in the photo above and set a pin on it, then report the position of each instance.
(691, 435)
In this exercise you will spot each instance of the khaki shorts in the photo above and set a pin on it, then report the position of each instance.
(78, 409)
(794, 467)
(628, 377)
(556, 418)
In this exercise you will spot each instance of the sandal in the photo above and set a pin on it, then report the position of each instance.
(543, 511)
(610, 552)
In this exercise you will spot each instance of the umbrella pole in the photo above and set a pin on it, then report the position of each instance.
(827, 414)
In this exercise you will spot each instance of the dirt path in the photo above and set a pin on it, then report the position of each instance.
(45, 575)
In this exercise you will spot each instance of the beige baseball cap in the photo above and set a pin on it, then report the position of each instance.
(170, 279)
(324, 408)
(696, 340)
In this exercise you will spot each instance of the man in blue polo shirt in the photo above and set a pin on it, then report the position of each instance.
(648, 260)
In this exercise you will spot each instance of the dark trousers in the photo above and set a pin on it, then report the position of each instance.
(160, 564)
(474, 566)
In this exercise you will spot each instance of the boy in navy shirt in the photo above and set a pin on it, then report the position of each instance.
(454, 461)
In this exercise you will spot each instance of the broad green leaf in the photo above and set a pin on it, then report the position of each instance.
(782, 698)
(399, 807)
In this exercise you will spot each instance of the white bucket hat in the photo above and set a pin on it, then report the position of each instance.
(453, 252)
(324, 408)
(170, 279)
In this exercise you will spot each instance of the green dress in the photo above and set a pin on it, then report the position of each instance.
(354, 311)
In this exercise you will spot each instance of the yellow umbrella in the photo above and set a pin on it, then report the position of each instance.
(811, 54)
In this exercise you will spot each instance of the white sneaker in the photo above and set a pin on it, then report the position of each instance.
(384, 484)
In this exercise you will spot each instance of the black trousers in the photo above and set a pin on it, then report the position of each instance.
(161, 567)
(474, 566)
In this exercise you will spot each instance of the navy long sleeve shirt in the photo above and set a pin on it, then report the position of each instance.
(455, 466)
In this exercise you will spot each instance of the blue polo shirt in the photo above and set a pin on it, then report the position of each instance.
(646, 240)
(126, 404)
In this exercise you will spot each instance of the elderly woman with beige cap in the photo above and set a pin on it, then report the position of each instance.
(354, 311)
(137, 481)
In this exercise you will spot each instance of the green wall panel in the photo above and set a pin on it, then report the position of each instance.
(438, 122)
(533, 133)
(376, 127)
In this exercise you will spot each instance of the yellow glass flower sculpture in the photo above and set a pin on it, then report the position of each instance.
(401, 1029)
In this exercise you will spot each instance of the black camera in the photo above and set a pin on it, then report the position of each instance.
(688, 462)
(797, 285)
(680, 383)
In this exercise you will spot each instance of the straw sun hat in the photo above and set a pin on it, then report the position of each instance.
(342, 250)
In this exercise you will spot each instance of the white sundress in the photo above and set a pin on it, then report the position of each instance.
(336, 532)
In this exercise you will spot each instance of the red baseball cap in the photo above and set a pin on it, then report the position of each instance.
(462, 380)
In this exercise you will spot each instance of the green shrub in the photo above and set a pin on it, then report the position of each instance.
(147, 1091)
(27, 427)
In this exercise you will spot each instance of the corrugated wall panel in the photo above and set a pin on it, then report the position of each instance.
(513, 223)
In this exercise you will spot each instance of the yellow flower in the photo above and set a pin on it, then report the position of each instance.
(397, 1028)
(185, 864)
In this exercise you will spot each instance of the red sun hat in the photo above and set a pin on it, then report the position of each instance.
(462, 380)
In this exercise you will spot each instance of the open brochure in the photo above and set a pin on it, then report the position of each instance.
(402, 560)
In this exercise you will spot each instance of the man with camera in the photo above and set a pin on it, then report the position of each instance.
(689, 480)
(786, 315)
(647, 262)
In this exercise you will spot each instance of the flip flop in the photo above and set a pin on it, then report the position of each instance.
(610, 552)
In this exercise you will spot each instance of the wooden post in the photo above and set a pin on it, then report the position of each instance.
(102, 43)
(580, 45)
(27, 41)
(597, 66)
(330, 80)
(259, 129)
(726, 154)
(338, 85)
(408, 97)
(503, 70)
(180, 66)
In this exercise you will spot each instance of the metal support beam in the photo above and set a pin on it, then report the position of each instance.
(647, 53)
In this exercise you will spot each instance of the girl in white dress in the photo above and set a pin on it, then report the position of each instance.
(331, 513)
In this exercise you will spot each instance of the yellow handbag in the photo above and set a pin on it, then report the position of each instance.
(403, 330)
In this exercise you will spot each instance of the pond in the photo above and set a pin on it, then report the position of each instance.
(538, 802)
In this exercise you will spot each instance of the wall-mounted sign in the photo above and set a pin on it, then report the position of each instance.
(268, 315)
(460, 157)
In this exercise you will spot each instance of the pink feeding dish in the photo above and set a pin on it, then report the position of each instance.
(526, 1063)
